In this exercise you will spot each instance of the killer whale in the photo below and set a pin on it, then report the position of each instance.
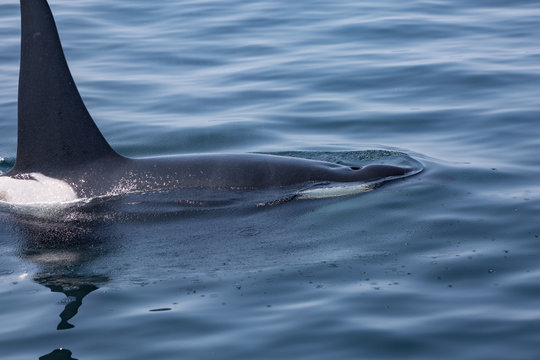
(59, 145)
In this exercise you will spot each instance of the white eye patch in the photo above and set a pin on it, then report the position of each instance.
(35, 188)
(334, 191)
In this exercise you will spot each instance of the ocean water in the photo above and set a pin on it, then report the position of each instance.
(445, 264)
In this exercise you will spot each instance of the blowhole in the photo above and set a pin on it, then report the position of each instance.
(355, 168)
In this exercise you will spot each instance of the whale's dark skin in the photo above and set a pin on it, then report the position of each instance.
(58, 138)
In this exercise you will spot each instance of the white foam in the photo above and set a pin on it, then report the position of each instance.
(36, 189)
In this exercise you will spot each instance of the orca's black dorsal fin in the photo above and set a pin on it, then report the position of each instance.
(54, 127)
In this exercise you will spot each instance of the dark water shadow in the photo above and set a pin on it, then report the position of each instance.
(58, 354)
(75, 289)
(63, 243)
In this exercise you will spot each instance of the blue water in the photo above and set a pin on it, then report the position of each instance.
(442, 265)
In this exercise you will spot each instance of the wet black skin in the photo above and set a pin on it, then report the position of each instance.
(58, 138)
(218, 171)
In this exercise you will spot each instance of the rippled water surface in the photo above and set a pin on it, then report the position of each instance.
(444, 264)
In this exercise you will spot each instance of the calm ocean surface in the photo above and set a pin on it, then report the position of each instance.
(445, 264)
